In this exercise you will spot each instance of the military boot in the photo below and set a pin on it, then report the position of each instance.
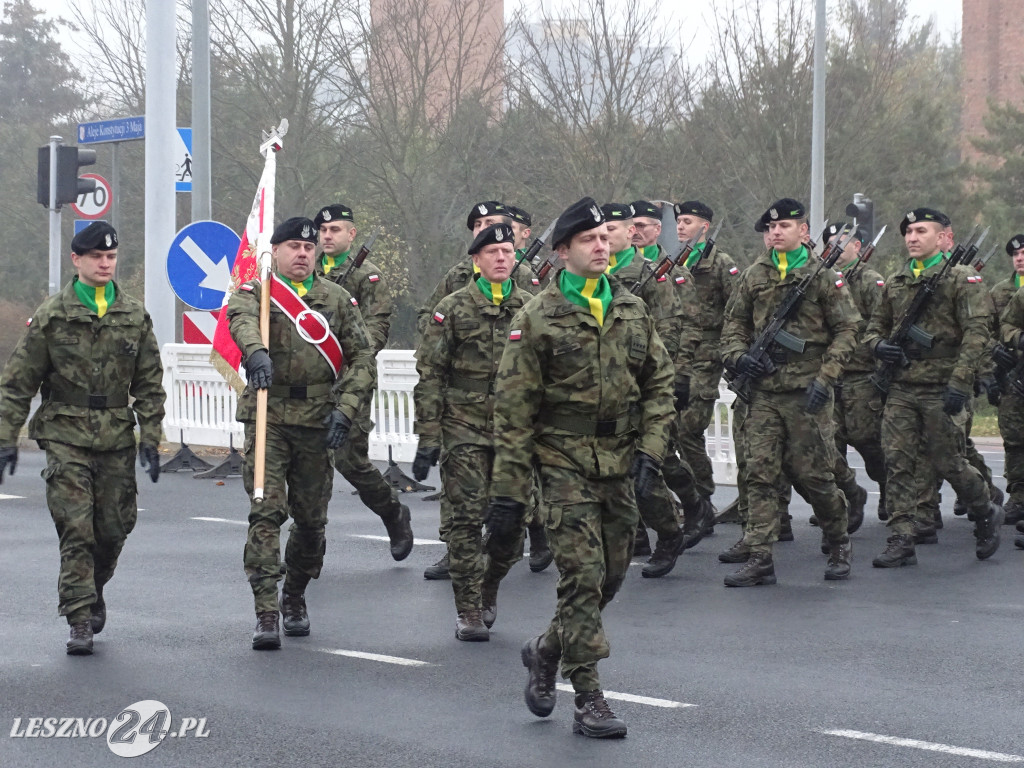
(666, 552)
(540, 553)
(839, 558)
(399, 528)
(737, 553)
(1018, 542)
(986, 531)
(642, 543)
(1020, 526)
(825, 546)
(295, 618)
(80, 641)
(899, 551)
(925, 533)
(883, 513)
(489, 599)
(540, 684)
(267, 636)
(759, 569)
(595, 719)
(996, 496)
(785, 527)
(469, 626)
(731, 514)
(1013, 512)
(438, 571)
(960, 509)
(98, 619)
(937, 520)
(855, 503)
(698, 522)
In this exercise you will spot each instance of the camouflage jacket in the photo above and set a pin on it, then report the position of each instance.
(959, 317)
(714, 276)
(826, 320)
(461, 275)
(457, 360)
(297, 363)
(1001, 294)
(366, 284)
(75, 356)
(673, 303)
(866, 289)
(1011, 321)
(564, 379)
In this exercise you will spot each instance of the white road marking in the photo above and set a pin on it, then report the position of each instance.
(633, 698)
(375, 537)
(6, 496)
(377, 657)
(221, 520)
(895, 741)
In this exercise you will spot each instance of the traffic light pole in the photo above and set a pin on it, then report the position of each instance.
(54, 211)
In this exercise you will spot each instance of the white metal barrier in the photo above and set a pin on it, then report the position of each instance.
(201, 408)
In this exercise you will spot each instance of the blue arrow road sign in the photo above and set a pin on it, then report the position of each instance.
(199, 263)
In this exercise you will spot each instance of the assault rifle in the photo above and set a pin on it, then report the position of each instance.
(773, 334)
(360, 257)
(668, 261)
(534, 249)
(865, 255)
(907, 329)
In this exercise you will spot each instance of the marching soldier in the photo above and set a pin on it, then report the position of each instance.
(789, 427)
(319, 372)
(1011, 402)
(647, 223)
(925, 415)
(89, 348)
(584, 394)
(367, 286)
(457, 360)
(521, 223)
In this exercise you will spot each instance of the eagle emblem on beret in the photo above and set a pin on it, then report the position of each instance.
(596, 213)
(773, 213)
(1015, 243)
(108, 240)
(306, 231)
(911, 217)
(499, 234)
(325, 214)
(482, 209)
(632, 211)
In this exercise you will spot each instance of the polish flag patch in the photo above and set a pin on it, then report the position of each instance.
(680, 280)
(663, 278)
(374, 278)
(880, 283)
(515, 335)
(28, 322)
(535, 281)
(353, 300)
(840, 283)
(734, 270)
(438, 317)
(245, 287)
(974, 279)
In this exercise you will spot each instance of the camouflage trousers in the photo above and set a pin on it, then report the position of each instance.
(590, 526)
(92, 500)
(691, 423)
(919, 440)
(658, 511)
(466, 481)
(533, 515)
(740, 410)
(930, 483)
(298, 483)
(858, 420)
(783, 440)
(353, 462)
(1011, 427)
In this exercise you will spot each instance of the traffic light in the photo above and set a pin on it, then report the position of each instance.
(69, 186)
(863, 210)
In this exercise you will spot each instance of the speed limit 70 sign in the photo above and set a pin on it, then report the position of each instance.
(95, 204)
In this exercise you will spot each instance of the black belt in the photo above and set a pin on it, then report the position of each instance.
(781, 355)
(300, 391)
(915, 352)
(61, 390)
(580, 426)
(483, 386)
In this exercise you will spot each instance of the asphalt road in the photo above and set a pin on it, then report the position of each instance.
(915, 667)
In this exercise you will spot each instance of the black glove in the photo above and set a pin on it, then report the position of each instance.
(682, 393)
(953, 401)
(149, 460)
(8, 458)
(426, 457)
(817, 397)
(645, 473)
(750, 366)
(504, 517)
(337, 424)
(1004, 358)
(993, 391)
(888, 352)
(259, 369)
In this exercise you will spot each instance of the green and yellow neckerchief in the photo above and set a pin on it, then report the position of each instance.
(520, 252)
(1016, 280)
(788, 261)
(695, 254)
(97, 299)
(593, 293)
(301, 288)
(476, 269)
(621, 259)
(917, 266)
(495, 292)
(651, 252)
(332, 262)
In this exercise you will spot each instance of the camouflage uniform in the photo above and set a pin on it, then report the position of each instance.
(88, 367)
(366, 285)
(562, 379)
(457, 360)
(916, 433)
(1011, 406)
(779, 435)
(299, 474)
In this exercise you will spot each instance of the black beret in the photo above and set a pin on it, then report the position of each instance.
(693, 208)
(518, 214)
(98, 236)
(295, 228)
(923, 214)
(496, 233)
(617, 211)
(780, 210)
(646, 209)
(1015, 244)
(760, 226)
(486, 208)
(336, 212)
(832, 230)
(578, 217)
